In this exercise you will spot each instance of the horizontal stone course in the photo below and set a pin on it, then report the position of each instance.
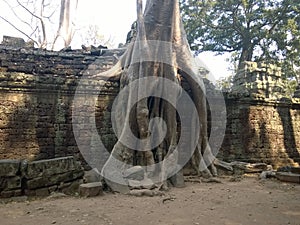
(47, 168)
(39, 177)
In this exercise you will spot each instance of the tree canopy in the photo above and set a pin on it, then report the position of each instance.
(258, 30)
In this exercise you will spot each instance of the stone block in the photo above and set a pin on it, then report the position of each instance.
(53, 180)
(13, 41)
(72, 188)
(67, 177)
(134, 173)
(144, 184)
(90, 189)
(134, 184)
(47, 168)
(9, 168)
(43, 192)
(117, 187)
(37, 183)
(91, 176)
(267, 174)
(30, 192)
(13, 183)
(288, 177)
(10, 194)
(295, 170)
(53, 189)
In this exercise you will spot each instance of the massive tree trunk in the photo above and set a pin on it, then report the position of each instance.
(152, 69)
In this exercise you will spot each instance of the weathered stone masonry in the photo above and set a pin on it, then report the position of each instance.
(262, 124)
(39, 178)
(262, 131)
(37, 91)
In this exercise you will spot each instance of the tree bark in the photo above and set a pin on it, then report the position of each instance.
(65, 29)
(246, 54)
(160, 35)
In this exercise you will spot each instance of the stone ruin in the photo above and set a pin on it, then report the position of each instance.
(37, 89)
(297, 93)
(39, 178)
(259, 81)
(262, 122)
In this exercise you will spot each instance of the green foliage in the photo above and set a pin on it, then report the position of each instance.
(290, 87)
(225, 83)
(91, 35)
(254, 30)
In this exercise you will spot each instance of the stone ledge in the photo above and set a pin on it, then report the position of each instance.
(288, 177)
(46, 168)
(38, 178)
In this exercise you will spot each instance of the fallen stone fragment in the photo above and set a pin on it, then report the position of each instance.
(148, 184)
(134, 173)
(288, 177)
(92, 176)
(144, 184)
(145, 192)
(267, 174)
(134, 184)
(90, 189)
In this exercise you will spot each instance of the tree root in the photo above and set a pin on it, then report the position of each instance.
(167, 27)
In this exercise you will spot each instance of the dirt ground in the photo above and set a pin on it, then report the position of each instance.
(248, 201)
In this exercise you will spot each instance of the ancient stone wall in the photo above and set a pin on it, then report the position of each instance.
(262, 131)
(37, 91)
(258, 81)
(262, 124)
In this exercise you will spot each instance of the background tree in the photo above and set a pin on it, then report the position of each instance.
(91, 35)
(66, 27)
(261, 30)
(35, 19)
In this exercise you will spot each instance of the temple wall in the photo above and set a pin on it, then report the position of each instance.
(37, 90)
